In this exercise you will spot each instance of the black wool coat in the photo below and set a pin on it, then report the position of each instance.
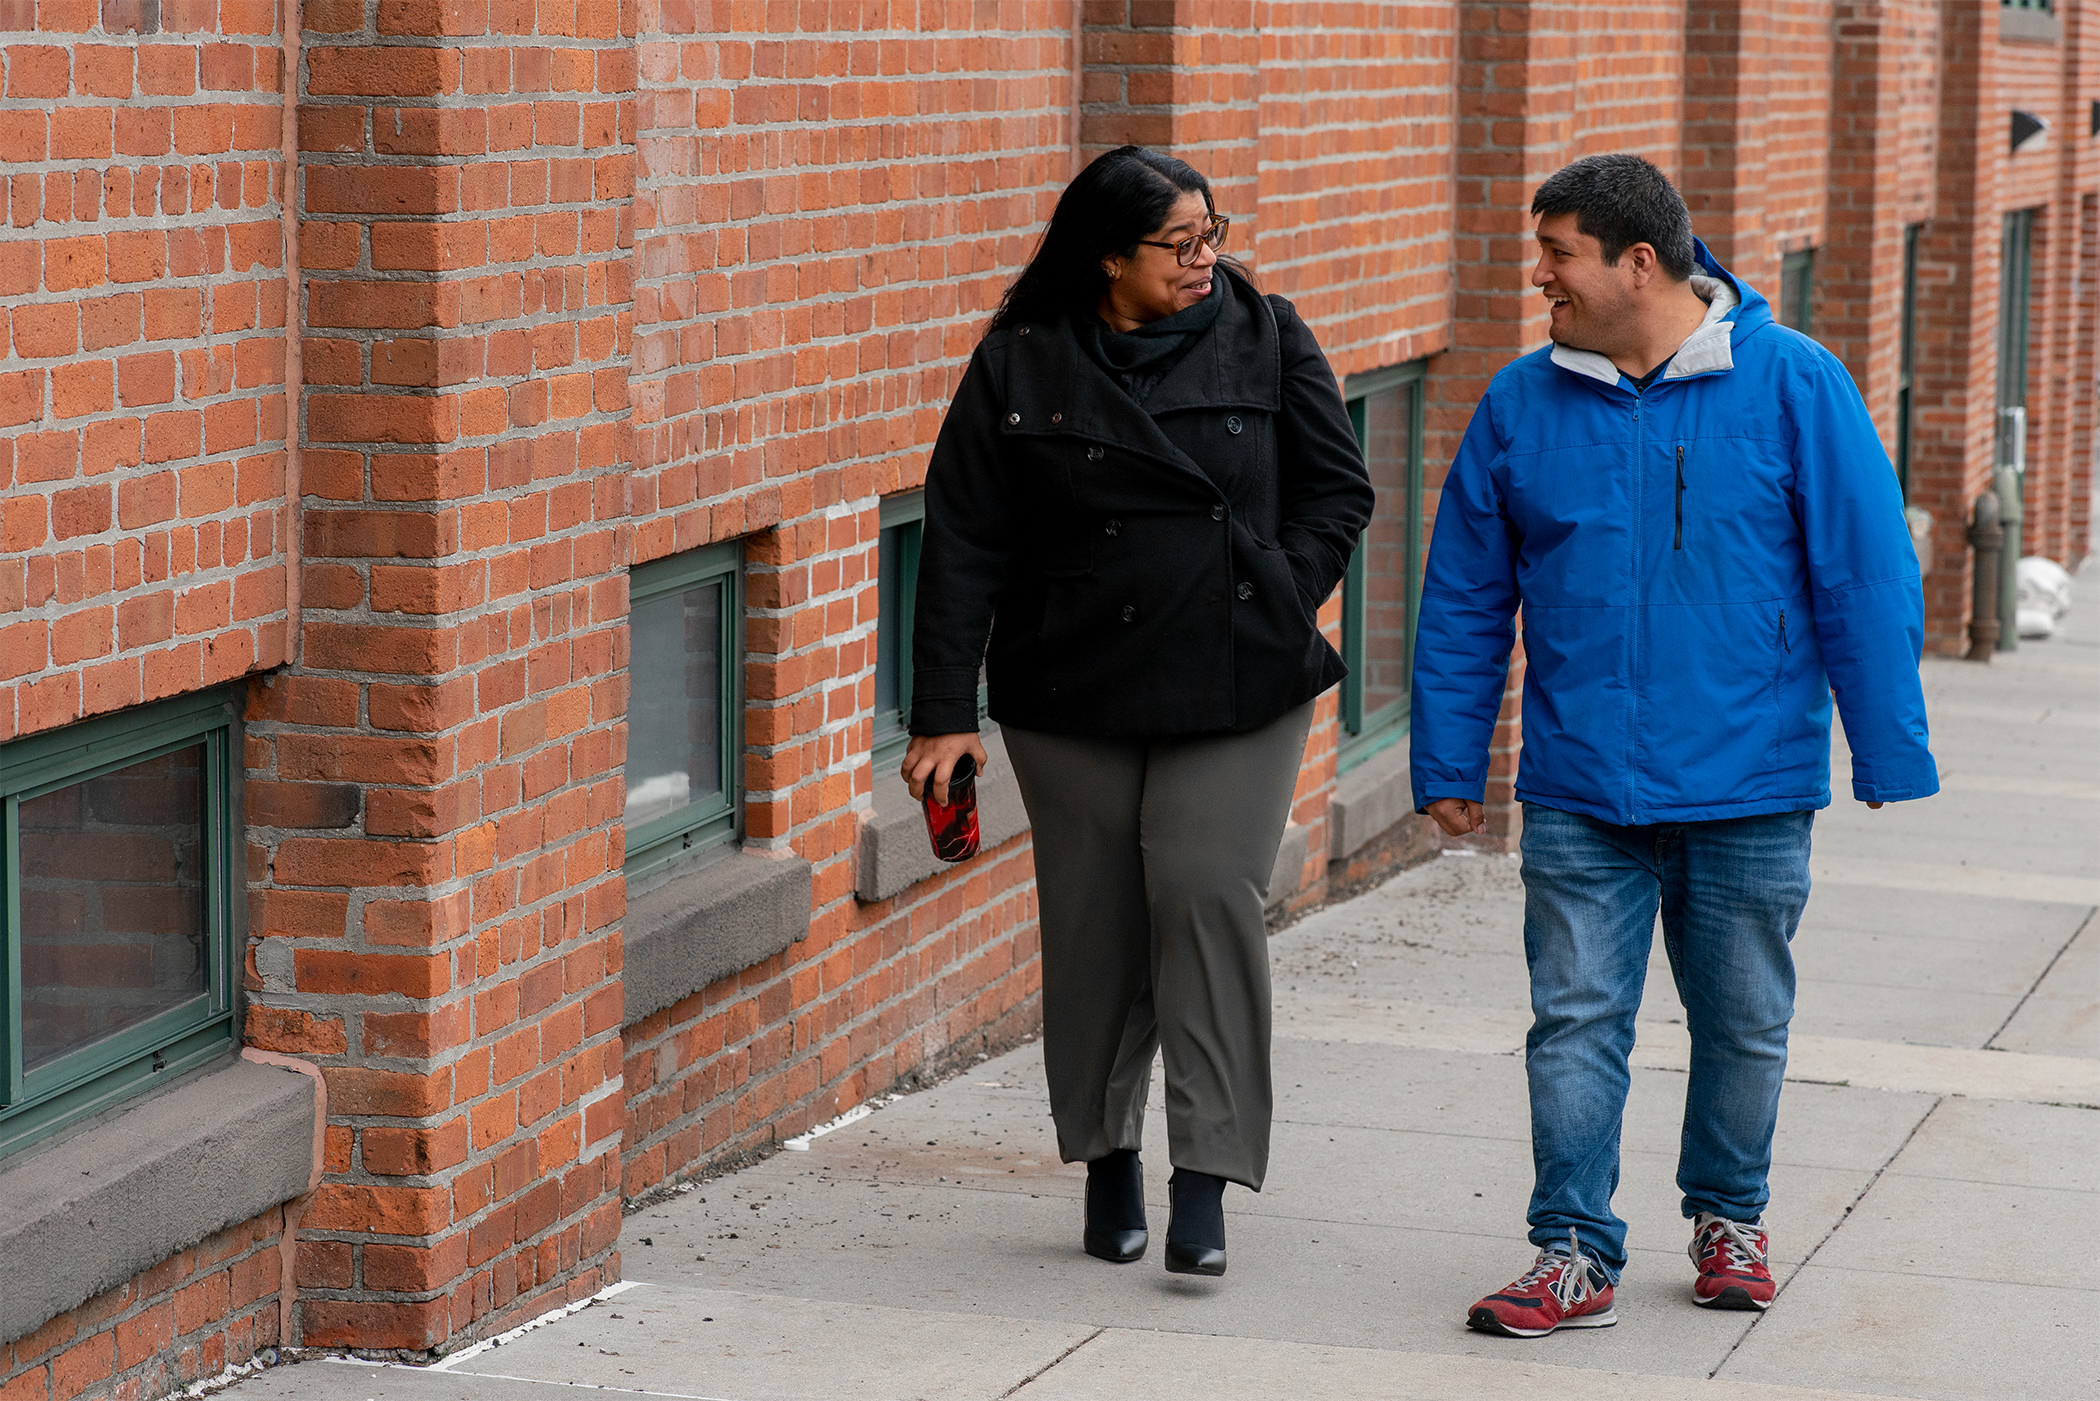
(1139, 571)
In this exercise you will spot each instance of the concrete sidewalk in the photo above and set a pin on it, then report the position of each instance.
(1935, 1193)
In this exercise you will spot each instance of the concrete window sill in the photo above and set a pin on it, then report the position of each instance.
(85, 1212)
(2029, 26)
(894, 852)
(708, 922)
(1370, 800)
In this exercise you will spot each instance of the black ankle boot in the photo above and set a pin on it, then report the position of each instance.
(1115, 1208)
(1196, 1225)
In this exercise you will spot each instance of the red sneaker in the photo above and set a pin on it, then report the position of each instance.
(1563, 1289)
(1731, 1260)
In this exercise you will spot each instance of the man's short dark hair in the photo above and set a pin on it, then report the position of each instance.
(1620, 200)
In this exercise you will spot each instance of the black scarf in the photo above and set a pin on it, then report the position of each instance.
(1138, 360)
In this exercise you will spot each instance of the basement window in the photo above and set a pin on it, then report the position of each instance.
(1382, 590)
(1797, 280)
(685, 708)
(897, 578)
(120, 840)
(897, 581)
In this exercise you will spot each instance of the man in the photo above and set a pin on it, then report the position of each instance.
(1693, 509)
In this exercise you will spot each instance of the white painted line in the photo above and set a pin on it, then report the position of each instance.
(1664, 1045)
(801, 1141)
(1990, 882)
(597, 1386)
(1901, 1067)
(553, 1316)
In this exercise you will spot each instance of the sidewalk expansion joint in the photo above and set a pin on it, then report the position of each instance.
(1052, 1362)
(1835, 1226)
(2041, 978)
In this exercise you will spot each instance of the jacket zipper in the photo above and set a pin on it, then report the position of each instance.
(1788, 646)
(1680, 498)
(1634, 621)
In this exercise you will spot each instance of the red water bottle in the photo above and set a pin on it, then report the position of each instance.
(953, 825)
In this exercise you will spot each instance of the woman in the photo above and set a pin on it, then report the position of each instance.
(1146, 486)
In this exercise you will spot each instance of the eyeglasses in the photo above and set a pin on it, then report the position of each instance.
(1185, 251)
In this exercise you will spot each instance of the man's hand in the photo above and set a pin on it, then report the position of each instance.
(934, 756)
(1460, 817)
(1873, 805)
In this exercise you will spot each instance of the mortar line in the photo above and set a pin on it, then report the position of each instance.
(1053, 1362)
(1835, 1226)
(2040, 978)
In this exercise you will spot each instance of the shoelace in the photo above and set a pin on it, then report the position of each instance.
(1740, 1244)
(1574, 1269)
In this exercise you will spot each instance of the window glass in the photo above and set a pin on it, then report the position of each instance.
(1388, 435)
(897, 591)
(1382, 589)
(120, 881)
(1906, 369)
(685, 664)
(674, 719)
(112, 892)
(1797, 275)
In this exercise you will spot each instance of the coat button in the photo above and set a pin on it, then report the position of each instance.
(1057, 418)
(1217, 513)
(1023, 331)
(1245, 591)
(1095, 454)
(1114, 527)
(1013, 418)
(1233, 424)
(1129, 613)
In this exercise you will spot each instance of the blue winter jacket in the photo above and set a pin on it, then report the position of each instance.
(1699, 566)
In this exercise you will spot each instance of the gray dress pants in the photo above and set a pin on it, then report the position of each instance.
(1152, 864)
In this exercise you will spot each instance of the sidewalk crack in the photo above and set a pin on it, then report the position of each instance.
(1835, 1226)
(2040, 978)
(1053, 1362)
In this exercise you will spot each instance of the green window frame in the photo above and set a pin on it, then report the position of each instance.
(1797, 285)
(1907, 364)
(1372, 716)
(897, 584)
(2015, 296)
(95, 1073)
(897, 588)
(714, 818)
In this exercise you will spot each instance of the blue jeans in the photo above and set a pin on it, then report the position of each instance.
(1731, 894)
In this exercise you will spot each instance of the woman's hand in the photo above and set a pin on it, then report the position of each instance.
(933, 757)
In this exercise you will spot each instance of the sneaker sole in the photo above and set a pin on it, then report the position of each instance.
(1484, 1321)
(1733, 1297)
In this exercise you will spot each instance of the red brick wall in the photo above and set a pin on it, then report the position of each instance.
(587, 285)
(188, 1319)
(436, 784)
(142, 306)
(1354, 219)
(821, 229)
(1797, 128)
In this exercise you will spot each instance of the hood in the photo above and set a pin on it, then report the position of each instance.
(1735, 311)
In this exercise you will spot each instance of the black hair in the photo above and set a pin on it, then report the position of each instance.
(1125, 195)
(1620, 200)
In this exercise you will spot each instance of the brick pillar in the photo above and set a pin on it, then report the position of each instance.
(1517, 74)
(1955, 380)
(1859, 270)
(2064, 386)
(436, 839)
(2076, 540)
(1185, 76)
(1722, 176)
